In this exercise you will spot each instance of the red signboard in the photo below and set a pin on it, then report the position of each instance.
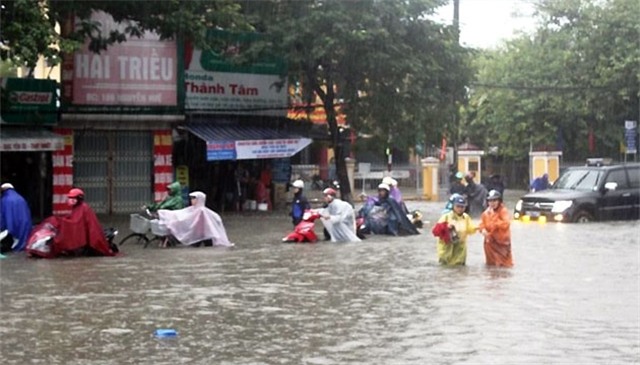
(162, 163)
(62, 172)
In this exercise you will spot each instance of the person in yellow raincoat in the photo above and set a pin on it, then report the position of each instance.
(494, 226)
(452, 230)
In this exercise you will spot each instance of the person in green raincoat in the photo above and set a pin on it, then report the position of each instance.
(454, 227)
(173, 201)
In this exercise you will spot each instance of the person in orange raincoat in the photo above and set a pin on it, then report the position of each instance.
(495, 227)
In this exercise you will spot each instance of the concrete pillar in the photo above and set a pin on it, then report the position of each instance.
(351, 170)
(544, 162)
(430, 178)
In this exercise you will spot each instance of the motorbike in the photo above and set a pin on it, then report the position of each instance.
(318, 184)
(304, 231)
(41, 241)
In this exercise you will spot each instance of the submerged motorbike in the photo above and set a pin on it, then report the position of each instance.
(41, 241)
(304, 231)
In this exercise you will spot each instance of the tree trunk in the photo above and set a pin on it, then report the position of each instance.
(328, 102)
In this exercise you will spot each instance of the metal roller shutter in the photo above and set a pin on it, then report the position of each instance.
(114, 168)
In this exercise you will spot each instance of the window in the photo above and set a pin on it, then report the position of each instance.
(619, 177)
(634, 177)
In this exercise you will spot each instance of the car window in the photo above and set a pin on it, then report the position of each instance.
(578, 179)
(618, 176)
(634, 177)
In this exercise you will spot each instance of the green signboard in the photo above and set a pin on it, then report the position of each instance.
(28, 101)
(228, 54)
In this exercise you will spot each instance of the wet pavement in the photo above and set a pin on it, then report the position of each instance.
(572, 297)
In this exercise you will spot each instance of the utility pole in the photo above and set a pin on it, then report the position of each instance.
(456, 19)
(456, 127)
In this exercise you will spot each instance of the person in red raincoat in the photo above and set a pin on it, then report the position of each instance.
(495, 227)
(78, 234)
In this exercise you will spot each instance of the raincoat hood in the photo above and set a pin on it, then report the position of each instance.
(174, 188)
(201, 198)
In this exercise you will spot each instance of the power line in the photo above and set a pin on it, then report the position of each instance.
(544, 87)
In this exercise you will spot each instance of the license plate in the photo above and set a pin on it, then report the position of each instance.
(533, 214)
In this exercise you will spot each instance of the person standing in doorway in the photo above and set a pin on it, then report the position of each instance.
(241, 185)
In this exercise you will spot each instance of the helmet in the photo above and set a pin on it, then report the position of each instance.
(298, 184)
(75, 193)
(329, 191)
(459, 175)
(6, 186)
(388, 180)
(384, 186)
(494, 195)
(455, 196)
(460, 200)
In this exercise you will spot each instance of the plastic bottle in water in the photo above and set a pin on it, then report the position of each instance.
(165, 333)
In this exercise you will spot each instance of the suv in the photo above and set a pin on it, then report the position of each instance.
(588, 193)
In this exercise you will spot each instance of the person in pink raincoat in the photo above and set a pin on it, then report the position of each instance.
(195, 223)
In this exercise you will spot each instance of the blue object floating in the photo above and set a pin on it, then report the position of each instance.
(165, 332)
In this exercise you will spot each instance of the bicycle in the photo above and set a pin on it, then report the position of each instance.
(141, 225)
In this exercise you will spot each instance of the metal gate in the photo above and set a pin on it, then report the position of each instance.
(114, 168)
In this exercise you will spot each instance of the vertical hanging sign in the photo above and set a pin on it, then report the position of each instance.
(62, 172)
(630, 132)
(162, 163)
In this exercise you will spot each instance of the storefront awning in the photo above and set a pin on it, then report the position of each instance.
(237, 142)
(29, 139)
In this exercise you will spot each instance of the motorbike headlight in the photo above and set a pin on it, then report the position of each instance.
(519, 205)
(561, 205)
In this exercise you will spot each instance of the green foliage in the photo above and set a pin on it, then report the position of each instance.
(29, 26)
(395, 71)
(580, 70)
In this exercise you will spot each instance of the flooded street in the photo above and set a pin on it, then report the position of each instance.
(572, 297)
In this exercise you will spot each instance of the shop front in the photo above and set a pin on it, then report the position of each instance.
(118, 108)
(227, 158)
(27, 141)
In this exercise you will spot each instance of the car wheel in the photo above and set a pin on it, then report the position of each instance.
(583, 217)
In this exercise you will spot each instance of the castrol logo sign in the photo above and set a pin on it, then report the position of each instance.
(30, 97)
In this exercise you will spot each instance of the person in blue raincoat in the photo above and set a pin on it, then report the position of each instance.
(299, 204)
(15, 217)
(540, 183)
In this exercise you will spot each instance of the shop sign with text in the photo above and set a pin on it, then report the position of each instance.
(139, 74)
(28, 101)
(215, 80)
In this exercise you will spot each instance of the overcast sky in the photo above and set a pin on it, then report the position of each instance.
(484, 23)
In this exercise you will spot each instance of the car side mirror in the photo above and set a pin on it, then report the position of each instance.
(610, 186)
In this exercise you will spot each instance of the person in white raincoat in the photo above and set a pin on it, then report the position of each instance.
(195, 223)
(338, 218)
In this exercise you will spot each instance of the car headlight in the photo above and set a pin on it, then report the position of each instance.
(561, 205)
(519, 205)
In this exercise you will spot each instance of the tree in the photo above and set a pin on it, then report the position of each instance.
(577, 74)
(34, 28)
(384, 60)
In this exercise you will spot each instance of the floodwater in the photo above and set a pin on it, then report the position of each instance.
(573, 297)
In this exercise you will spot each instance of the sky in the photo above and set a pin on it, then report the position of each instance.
(485, 23)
